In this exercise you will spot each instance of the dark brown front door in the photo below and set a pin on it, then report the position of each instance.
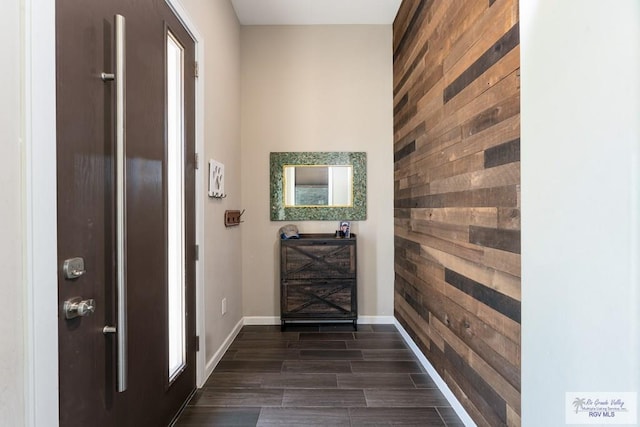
(88, 224)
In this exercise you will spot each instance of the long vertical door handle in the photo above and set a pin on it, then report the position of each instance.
(121, 202)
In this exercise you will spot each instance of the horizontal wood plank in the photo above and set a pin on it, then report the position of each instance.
(457, 196)
(490, 57)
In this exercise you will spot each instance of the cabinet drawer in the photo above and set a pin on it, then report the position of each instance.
(302, 262)
(322, 299)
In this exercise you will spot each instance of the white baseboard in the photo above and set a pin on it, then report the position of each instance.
(442, 386)
(215, 359)
(376, 320)
(262, 320)
(275, 320)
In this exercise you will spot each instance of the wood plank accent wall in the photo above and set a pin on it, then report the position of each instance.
(457, 196)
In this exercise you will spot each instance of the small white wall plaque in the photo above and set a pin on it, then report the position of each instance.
(216, 179)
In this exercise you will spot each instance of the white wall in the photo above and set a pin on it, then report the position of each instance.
(317, 88)
(221, 249)
(11, 248)
(580, 201)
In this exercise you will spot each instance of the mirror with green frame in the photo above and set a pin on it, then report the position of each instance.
(318, 186)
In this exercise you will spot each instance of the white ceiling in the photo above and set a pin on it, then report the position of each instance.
(316, 12)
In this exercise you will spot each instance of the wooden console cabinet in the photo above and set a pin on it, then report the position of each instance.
(318, 279)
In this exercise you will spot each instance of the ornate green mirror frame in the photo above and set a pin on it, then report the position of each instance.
(356, 212)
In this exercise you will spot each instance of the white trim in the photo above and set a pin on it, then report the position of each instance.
(377, 320)
(261, 320)
(442, 386)
(183, 16)
(41, 287)
(215, 359)
(275, 320)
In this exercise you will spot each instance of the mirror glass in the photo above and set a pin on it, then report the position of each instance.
(318, 185)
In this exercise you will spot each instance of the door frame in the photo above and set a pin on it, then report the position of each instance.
(39, 205)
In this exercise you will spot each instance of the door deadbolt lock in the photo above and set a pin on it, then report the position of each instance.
(73, 268)
(77, 307)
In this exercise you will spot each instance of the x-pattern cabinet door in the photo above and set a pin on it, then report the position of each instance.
(318, 279)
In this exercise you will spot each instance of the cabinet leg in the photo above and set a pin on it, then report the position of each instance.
(355, 325)
(282, 326)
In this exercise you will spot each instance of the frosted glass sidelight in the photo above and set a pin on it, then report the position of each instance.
(175, 207)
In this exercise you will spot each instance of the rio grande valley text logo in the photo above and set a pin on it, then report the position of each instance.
(601, 408)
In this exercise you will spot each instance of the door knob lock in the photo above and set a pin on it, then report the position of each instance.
(77, 307)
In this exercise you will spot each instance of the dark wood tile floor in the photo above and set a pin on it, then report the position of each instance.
(324, 375)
